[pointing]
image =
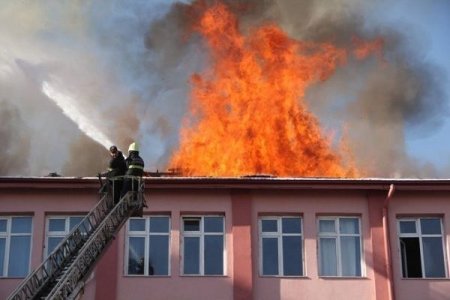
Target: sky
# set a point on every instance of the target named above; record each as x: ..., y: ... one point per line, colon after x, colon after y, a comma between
x: 117, y: 71
x: 427, y: 22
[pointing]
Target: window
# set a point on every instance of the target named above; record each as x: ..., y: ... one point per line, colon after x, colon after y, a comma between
x: 15, y: 246
x: 340, y: 248
x: 422, y: 248
x: 203, y: 245
x: 281, y: 246
x: 147, y: 249
x: 58, y: 227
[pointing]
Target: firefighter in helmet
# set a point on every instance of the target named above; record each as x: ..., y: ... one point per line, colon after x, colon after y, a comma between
x: 135, y: 168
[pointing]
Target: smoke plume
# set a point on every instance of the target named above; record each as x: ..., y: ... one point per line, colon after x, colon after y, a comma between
x: 125, y: 66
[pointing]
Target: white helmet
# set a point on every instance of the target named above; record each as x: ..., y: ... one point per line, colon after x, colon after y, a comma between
x: 133, y: 147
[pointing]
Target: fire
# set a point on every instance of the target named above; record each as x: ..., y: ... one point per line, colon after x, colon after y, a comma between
x: 248, y: 114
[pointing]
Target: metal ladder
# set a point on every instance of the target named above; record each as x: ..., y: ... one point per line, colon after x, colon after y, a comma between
x: 63, y: 273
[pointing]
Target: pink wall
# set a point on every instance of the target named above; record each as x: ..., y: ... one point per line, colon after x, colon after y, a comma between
x: 39, y: 204
x: 241, y: 206
x: 176, y: 286
x: 418, y: 204
x: 311, y: 203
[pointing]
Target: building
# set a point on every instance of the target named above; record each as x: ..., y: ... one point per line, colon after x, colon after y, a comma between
x: 244, y: 238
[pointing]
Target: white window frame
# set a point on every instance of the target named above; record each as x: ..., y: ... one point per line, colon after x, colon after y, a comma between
x: 279, y: 235
x: 337, y: 236
x: 146, y: 235
x: 7, y: 235
x: 201, y: 235
x: 419, y: 235
x: 57, y: 234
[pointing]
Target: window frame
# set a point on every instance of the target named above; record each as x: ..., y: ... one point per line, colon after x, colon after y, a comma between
x: 201, y: 234
x: 146, y: 235
x: 337, y: 236
x: 279, y: 235
x: 7, y: 235
x: 418, y: 234
x: 61, y: 234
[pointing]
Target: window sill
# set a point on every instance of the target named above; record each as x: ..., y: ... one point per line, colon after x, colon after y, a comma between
x: 344, y: 277
x: 428, y: 279
x: 146, y: 276
x: 284, y: 277
x: 198, y: 275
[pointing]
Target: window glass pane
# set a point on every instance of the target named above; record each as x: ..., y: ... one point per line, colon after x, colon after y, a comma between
x: 327, y: 226
x: 19, y: 256
x: 3, y: 225
x: 430, y: 226
x: 2, y: 255
x: 52, y: 243
x: 159, y: 255
x: 21, y: 225
x: 56, y: 225
x: 349, y: 225
x: 328, y: 260
x: 136, y: 253
x: 213, y: 224
x: 213, y: 255
x: 270, y: 256
x: 191, y: 260
x: 74, y: 221
x: 292, y: 255
x: 433, y: 256
x: 159, y: 224
x: 291, y: 225
x: 350, y: 256
x: 407, y: 226
x: 137, y: 224
x: 269, y: 225
x: 191, y: 224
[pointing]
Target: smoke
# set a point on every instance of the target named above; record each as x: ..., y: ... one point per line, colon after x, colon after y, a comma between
x: 85, y: 67
x: 15, y: 141
x: 125, y: 66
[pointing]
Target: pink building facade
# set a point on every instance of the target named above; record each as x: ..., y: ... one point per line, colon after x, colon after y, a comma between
x: 244, y: 238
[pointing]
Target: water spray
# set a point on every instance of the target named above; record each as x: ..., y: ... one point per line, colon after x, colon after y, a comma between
x: 70, y: 109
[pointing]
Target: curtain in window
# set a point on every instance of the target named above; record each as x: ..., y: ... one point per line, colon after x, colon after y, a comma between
x: 328, y: 260
x: 433, y: 257
x: 2, y: 255
x: 350, y: 256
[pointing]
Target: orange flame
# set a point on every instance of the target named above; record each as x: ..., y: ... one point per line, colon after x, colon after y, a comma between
x: 248, y: 114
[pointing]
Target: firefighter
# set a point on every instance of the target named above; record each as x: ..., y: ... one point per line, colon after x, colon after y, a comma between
x: 135, y: 168
x: 116, y: 170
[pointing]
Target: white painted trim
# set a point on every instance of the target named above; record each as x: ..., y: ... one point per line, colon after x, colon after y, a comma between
x: 420, y: 236
x: 337, y: 236
x: 279, y: 236
x: 146, y: 235
x: 7, y: 235
x: 201, y: 235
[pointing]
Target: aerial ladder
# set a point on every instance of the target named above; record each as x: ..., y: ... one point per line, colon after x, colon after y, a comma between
x: 63, y: 273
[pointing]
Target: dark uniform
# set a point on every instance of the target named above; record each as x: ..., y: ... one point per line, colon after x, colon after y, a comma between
x: 117, y: 168
x: 135, y: 167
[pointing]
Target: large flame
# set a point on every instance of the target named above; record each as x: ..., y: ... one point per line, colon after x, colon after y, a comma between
x: 248, y: 114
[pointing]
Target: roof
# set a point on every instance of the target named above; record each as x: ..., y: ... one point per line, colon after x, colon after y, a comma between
x: 245, y: 182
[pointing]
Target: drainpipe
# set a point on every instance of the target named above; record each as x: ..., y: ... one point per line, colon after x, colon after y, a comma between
x: 387, y: 240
